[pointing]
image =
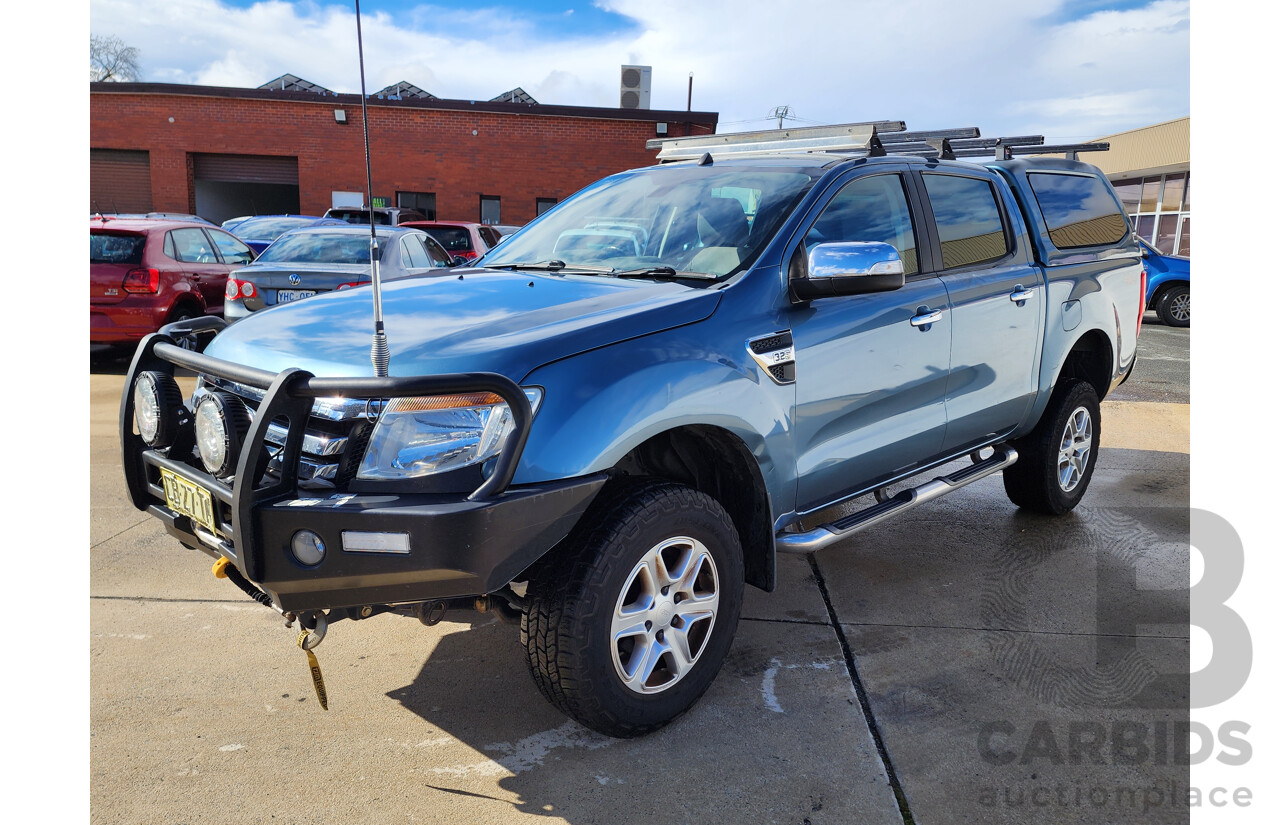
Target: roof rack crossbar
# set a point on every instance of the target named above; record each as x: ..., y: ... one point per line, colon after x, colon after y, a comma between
x: 964, y: 133
x: 845, y: 137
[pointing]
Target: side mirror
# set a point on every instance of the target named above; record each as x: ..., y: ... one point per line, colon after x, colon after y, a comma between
x: 850, y: 268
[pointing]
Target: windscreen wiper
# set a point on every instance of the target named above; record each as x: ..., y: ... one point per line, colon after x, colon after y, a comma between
x: 661, y: 272
x: 553, y: 265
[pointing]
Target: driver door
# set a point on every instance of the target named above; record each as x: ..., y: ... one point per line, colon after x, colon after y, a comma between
x: 871, y: 378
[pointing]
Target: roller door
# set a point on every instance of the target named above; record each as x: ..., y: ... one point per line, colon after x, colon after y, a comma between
x: 120, y: 180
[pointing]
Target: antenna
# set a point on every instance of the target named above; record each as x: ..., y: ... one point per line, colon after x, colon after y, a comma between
x: 379, y: 353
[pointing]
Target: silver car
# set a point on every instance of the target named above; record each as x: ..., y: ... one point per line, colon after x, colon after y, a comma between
x: 306, y: 262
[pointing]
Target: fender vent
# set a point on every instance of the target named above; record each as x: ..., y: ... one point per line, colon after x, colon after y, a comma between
x: 776, y: 355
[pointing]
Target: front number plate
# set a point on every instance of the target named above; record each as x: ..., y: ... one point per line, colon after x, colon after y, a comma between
x: 189, y: 499
x: 284, y: 296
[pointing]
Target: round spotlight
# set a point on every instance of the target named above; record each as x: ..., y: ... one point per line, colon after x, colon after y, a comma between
x: 157, y: 404
x: 221, y: 423
x: 308, y: 548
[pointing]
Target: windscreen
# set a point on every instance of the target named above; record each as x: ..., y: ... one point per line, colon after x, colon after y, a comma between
x: 322, y: 248
x: 268, y: 229
x: 109, y: 248
x: 699, y: 220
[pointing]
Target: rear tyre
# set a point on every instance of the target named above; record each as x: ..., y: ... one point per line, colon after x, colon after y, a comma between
x: 1056, y: 459
x: 628, y: 622
x: 1174, y: 307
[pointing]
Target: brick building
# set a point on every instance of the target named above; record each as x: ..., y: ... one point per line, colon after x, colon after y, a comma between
x: 220, y: 152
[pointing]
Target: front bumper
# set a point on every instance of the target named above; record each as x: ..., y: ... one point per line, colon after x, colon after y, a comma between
x: 457, y: 545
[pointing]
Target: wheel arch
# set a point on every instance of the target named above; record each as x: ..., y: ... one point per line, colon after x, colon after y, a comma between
x: 1164, y: 288
x: 1092, y: 359
x: 717, y: 462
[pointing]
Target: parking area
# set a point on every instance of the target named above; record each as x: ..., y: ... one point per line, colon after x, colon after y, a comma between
x: 965, y: 663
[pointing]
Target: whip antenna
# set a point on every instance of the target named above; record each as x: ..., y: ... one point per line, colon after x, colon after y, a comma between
x: 380, y: 353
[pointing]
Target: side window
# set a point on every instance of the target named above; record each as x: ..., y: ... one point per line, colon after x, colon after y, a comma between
x: 191, y: 246
x: 869, y: 209
x: 970, y: 228
x: 233, y: 251
x: 489, y: 235
x: 411, y: 250
x: 168, y: 246
x: 435, y: 251
x: 1080, y: 210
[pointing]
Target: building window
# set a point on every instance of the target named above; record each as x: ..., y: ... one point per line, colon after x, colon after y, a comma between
x: 544, y: 204
x: 424, y: 202
x: 1160, y: 208
x: 490, y: 209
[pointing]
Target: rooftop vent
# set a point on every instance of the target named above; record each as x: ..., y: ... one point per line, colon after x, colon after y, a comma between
x: 293, y: 83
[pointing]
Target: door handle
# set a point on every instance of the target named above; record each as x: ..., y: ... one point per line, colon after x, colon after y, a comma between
x: 1019, y: 295
x: 924, y: 317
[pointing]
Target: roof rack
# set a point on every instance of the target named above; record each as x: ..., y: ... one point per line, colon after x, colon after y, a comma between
x: 868, y: 139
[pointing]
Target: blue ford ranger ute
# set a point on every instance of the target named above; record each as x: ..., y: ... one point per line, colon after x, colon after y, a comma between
x: 624, y: 413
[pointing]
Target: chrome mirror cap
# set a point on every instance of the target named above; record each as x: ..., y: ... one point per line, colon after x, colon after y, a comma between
x: 849, y: 268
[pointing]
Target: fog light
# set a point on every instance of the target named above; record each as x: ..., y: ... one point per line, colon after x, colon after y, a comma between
x: 221, y: 423
x: 157, y: 403
x: 308, y: 548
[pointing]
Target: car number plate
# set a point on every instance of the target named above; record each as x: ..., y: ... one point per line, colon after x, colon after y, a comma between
x: 189, y: 499
x: 284, y: 296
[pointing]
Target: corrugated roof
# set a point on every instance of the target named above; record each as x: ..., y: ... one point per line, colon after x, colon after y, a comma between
x: 1158, y: 146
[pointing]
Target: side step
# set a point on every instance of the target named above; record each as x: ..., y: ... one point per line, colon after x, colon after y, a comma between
x: 827, y: 534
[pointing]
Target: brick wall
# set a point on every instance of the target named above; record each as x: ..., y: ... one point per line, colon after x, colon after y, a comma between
x: 519, y: 157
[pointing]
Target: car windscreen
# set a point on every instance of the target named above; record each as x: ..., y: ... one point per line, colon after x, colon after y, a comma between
x: 452, y: 238
x: 321, y: 248
x: 701, y: 220
x: 111, y: 248
x: 268, y: 229
x: 360, y: 216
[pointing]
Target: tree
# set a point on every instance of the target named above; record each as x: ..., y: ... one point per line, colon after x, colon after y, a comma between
x: 111, y: 59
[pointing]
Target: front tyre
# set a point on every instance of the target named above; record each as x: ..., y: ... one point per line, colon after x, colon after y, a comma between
x: 628, y: 623
x: 1056, y: 460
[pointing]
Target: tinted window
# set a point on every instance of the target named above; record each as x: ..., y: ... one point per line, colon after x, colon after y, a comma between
x: 116, y: 249
x: 436, y: 252
x: 414, y: 258
x: 452, y: 238
x: 869, y: 209
x: 360, y: 216
x: 968, y: 220
x: 191, y: 246
x: 1079, y: 210
x: 321, y: 248
x: 233, y: 252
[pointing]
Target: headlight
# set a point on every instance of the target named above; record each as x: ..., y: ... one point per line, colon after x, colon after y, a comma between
x: 221, y: 423
x: 157, y: 403
x: 423, y: 436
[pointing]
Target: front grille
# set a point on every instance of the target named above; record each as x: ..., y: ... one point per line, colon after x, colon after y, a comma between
x: 332, y: 446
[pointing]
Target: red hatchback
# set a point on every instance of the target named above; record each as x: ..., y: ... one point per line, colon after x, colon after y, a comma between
x: 146, y: 273
x: 459, y: 238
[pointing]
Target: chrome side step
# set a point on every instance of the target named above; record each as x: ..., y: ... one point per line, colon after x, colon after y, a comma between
x: 888, y: 508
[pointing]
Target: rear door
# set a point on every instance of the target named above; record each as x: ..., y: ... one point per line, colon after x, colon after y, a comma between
x: 870, y: 383
x: 997, y: 302
x: 195, y: 252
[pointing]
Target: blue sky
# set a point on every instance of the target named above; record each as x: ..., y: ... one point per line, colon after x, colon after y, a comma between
x: 1069, y: 70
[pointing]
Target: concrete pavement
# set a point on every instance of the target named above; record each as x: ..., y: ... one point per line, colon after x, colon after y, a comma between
x: 990, y: 665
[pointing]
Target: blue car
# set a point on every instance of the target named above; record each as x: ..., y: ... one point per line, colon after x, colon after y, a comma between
x: 259, y: 232
x: 1168, y: 285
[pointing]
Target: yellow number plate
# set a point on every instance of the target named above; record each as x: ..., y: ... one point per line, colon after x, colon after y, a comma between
x: 189, y: 499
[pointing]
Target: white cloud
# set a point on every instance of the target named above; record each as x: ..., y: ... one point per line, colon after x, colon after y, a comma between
x: 1003, y: 67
